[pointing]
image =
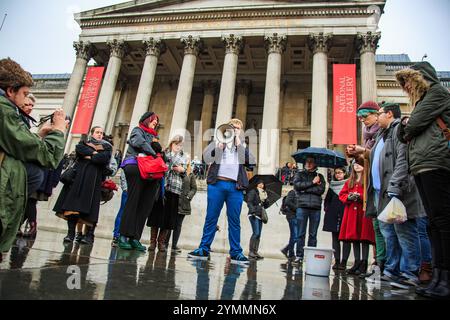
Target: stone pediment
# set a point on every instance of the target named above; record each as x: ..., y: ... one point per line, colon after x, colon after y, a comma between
x: 143, y: 7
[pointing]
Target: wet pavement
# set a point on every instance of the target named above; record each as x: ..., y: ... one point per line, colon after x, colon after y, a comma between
x: 48, y: 269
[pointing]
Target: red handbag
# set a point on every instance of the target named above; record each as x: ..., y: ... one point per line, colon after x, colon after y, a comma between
x: 152, y: 168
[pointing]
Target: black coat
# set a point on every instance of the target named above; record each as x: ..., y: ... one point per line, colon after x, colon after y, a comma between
x: 309, y: 195
x: 291, y: 204
x: 84, y: 194
x: 254, y: 204
x: 334, y: 210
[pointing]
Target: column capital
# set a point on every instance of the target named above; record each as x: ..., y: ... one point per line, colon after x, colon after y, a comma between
x: 84, y: 50
x: 233, y: 43
x: 154, y: 47
x: 210, y: 87
x: 275, y: 43
x: 319, y: 42
x: 119, y: 48
x: 192, y: 45
x: 244, y: 87
x: 367, y: 42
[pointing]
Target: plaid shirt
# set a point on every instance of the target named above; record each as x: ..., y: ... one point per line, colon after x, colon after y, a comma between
x: 174, y: 180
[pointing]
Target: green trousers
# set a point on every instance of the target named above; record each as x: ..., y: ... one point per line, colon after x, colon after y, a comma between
x: 379, y: 241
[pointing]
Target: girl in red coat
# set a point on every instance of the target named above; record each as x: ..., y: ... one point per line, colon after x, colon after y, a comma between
x: 356, y: 228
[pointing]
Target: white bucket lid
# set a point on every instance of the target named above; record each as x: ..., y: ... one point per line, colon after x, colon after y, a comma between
x: 318, y: 249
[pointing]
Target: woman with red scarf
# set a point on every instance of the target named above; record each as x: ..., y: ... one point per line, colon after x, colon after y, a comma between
x: 142, y: 193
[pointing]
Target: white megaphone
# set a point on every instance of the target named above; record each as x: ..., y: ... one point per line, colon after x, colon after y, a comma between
x: 225, y: 133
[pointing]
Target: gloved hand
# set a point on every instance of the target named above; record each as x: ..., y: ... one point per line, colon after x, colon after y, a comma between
x: 353, y: 197
x: 156, y: 146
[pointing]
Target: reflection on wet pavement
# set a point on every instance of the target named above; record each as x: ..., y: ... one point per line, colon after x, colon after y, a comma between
x: 43, y: 269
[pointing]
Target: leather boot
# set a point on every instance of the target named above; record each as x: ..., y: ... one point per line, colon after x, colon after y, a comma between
x: 442, y: 290
x: 251, y: 250
x: 256, y: 248
x: 363, y: 269
x: 153, y: 237
x: 355, y: 268
x: 32, y: 230
x: 426, y: 272
x: 71, y: 224
x: 424, y: 291
x: 89, y: 236
x: 162, y: 240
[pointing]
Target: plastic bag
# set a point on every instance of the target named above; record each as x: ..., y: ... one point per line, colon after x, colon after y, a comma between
x: 395, y: 212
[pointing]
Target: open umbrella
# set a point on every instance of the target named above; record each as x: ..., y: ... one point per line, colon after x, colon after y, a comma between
x: 322, y: 156
x: 273, y: 187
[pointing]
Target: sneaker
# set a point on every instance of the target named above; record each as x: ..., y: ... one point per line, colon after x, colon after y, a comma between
x: 411, y: 282
x: 399, y: 285
x: 199, y: 254
x: 284, y: 251
x: 115, y: 242
x: 297, y: 261
x: 136, y: 245
x: 386, y: 278
x: 240, y: 259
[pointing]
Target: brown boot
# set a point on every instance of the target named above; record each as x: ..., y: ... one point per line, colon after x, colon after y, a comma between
x: 153, y: 237
x: 426, y: 271
x: 162, y: 240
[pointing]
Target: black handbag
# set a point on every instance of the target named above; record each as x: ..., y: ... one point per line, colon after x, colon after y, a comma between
x: 68, y: 176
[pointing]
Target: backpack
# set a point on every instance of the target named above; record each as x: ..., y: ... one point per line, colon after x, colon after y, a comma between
x: 284, y: 209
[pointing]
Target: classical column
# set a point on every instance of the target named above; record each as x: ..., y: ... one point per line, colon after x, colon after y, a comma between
x: 118, y: 50
x: 269, y: 134
x: 192, y: 47
x: 243, y: 90
x: 84, y: 51
x: 319, y: 44
x: 367, y: 45
x: 153, y: 49
x: 209, y: 89
x: 233, y: 45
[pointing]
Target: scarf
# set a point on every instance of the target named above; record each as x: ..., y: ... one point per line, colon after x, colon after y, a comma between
x: 336, y: 186
x: 369, y: 135
x: 148, y: 130
x: 262, y: 194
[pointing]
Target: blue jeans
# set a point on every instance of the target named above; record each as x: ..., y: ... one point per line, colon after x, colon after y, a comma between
x: 257, y: 225
x: 219, y: 193
x: 425, y: 245
x: 402, y: 242
x: 294, y: 228
x: 116, y: 232
x: 304, y: 215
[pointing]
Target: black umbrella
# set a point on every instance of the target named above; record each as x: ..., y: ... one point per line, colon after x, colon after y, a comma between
x: 322, y: 157
x: 273, y: 187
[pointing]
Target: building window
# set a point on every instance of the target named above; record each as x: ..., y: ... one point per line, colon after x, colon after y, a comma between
x: 302, y: 144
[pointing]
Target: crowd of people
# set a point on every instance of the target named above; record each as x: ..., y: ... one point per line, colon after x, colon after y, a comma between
x: 407, y: 159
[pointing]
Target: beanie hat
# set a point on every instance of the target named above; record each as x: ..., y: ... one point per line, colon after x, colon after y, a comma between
x: 367, y: 107
x: 146, y: 115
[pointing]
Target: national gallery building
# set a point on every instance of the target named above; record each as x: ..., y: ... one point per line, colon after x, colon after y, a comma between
x: 199, y: 63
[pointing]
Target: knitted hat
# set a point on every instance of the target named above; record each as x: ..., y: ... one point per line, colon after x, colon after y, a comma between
x: 146, y: 115
x: 367, y: 108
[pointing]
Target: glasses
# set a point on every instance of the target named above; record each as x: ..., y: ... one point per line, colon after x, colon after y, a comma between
x: 380, y: 112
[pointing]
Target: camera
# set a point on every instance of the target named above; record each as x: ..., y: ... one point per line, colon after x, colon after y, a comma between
x: 50, y: 117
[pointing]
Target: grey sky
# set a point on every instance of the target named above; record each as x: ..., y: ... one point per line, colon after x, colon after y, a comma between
x: 39, y: 33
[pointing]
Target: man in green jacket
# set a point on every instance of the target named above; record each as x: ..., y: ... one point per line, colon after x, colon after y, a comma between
x: 18, y: 146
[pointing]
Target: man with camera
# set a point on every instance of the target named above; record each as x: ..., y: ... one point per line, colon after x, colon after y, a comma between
x: 227, y: 180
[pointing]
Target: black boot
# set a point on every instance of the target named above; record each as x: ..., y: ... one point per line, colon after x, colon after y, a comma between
x: 258, y: 256
x: 78, y: 237
x: 89, y: 236
x: 442, y: 290
x: 336, y: 264
x: 363, y: 269
x: 425, y: 291
x: 251, y: 250
x: 71, y: 224
x: 355, y: 268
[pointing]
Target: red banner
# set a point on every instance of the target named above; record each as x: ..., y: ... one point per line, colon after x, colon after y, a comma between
x: 344, y: 104
x: 88, y: 100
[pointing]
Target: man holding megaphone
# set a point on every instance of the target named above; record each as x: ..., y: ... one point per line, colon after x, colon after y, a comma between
x: 227, y: 180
